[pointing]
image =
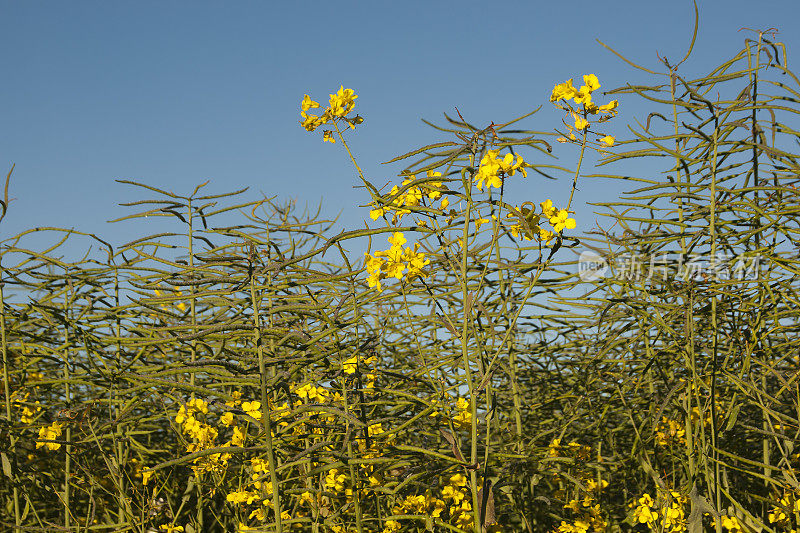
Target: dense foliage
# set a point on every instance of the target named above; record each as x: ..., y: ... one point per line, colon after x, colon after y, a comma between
x: 452, y: 367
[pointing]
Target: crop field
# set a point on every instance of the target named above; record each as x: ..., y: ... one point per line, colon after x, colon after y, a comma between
x: 470, y: 362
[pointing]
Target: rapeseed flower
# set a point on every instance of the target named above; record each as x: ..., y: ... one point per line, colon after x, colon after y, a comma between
x: 394, y: 261
x: 334, y: 481
x: 51, y: 432
x: 492, y: 169
x: 253, y: 409
x: 340, y: 104
x: 563, y: 91
x: 561, y: 220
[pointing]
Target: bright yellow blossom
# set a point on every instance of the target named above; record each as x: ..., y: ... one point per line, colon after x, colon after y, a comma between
x: 253, y: 409
x: 308, y: 103
x: 50, y: 432
x: 563, y: 91
x: 580, y: 122
x: 609, y: 107
x: 561, y: 220
x: 547, y: 208
x: 342, y: 102
x: 608, y: 140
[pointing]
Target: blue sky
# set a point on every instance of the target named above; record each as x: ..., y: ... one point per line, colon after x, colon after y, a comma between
x: 176, y: 93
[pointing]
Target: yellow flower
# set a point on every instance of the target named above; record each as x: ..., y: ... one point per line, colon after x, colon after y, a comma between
x: 563, y: 91
x: 308, y: 103
x: 374, y: 281
x: 584, y: 96
x: 669, y: 432
x: 580, y: 122
x: 238, y: 437
x: 415, y: 261
x: 307, y: 498
x: 458, y: 480
x: 591, y: 83
x: 390, y: 526
x: 29, y: 413
x: 546, y: 236
x: 644, y: 513
x: 451, y: 492
x: 609, y: 140
x: 146, y: 475
x: 488, y: 171
x: 51, y: 432
x: 236, y: 395
x: 480, y: 221
x: 342, y: 103
x: 397, y: 239
x: 592, y: 485
x: 561, y: 220
x: 198, y: 404
x: 253, y: 409
x: 312, y: 122
x: 327, y: 136
x: 227, y: 419
x: 170, y: 528
x: 334, y: 480
x: 609, y: 107
x: 731, y: 523
x: 547, y: 208
x: 242, y: 497
x: 492, y: 168
x: 350, y: 364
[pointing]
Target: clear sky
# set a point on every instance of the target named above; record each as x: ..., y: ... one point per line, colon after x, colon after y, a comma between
x: 176, y: 93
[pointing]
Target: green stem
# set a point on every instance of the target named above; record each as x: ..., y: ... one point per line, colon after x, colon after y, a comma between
x: 6, y: 384
x: 578, y: 168
x: 265, y: 409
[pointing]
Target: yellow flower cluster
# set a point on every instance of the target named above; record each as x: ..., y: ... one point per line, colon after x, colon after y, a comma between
x: 393, y: 262
x: 350, y: 365
x: 255, y: 490
x: 464, y: 416
x: 21, y: 400
x: 453, y: 505
x: 667, y: 514
x: 590, y: 517
x: 564, y: 92
x: 204, y: 436
x: 49, y: 433
x: 788, y: 506
x: 696, y: 416
x: 427, y: 504
x: 670, y: 433
x: 731, y: 523
x: 492, y: 169
x: 580, y: 452
x: 340, y: 105
x: 335, y: 481
x: 180, y: 305
x: 411, y: 197
x: 559, y: 219
x: 312, y: 393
